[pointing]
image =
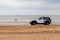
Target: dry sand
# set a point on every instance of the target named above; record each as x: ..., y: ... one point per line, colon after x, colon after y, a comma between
x: 28, y: 32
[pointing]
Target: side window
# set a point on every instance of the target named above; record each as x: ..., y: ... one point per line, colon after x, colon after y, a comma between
x: 44, y: 17
x: 40, y: 18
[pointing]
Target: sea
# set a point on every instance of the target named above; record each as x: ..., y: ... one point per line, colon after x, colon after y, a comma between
x: 27, y: 18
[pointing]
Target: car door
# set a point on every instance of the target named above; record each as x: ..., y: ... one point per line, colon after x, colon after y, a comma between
x: 40, y: 20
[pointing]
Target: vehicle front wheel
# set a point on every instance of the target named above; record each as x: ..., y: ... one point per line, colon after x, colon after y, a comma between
x: 47, y: 23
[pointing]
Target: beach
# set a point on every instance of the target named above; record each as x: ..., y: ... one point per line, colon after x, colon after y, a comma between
x: 29, y: 19
x: 20, y: 29
x: 29, y: 32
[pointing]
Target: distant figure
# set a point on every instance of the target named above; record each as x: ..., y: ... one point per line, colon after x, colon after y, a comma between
x: 15, y: 20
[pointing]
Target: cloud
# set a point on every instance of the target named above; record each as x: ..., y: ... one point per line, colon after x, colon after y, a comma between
x: 15, y: 3
x: 34, y: 7
x: 20, y: 4
x: 52, y: 0
x: 29, y: 4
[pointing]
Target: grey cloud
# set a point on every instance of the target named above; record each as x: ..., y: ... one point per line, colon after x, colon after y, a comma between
x: 46, y: 7
x: 28, y: 0
x: 52, y: 0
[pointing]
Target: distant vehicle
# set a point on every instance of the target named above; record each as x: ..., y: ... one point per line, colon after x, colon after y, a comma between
x: 41, y: 20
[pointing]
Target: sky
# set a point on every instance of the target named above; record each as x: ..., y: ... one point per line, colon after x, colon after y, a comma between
x: 29, y: 7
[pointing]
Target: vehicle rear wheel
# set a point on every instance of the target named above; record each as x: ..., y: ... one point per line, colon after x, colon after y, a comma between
x: 33, y: 23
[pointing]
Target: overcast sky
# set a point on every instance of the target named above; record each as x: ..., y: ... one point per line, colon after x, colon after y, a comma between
x: 30, y: 7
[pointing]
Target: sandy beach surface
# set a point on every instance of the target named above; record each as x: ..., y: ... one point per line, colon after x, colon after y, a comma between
x: 29, y: 32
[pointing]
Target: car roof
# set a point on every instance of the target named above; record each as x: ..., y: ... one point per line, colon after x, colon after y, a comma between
x: 44, y: 17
